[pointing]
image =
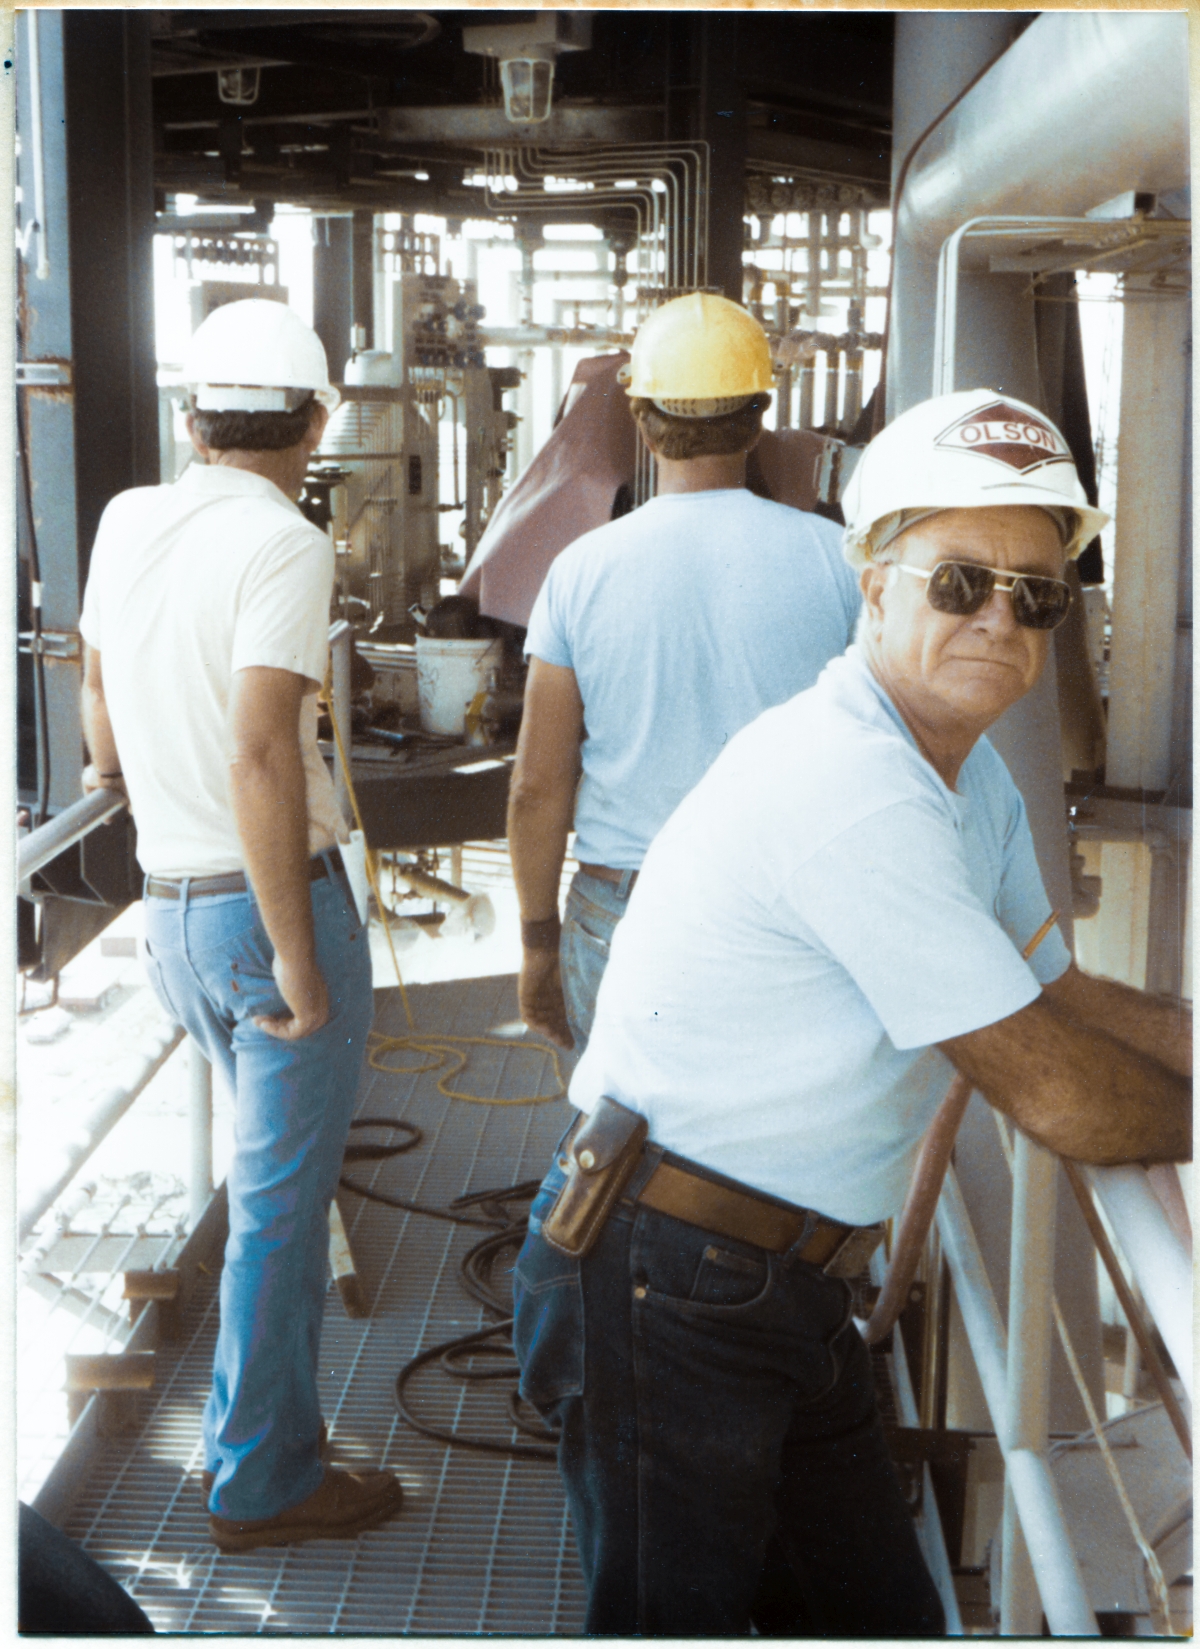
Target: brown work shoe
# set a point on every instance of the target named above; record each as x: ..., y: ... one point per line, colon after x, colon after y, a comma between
x: 345, y: 1504
x: 207, y: 1478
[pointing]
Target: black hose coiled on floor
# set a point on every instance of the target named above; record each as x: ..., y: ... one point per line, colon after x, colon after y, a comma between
x: 493, y: 1211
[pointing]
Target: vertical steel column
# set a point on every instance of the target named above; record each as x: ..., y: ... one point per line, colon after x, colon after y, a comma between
x: 721, y: 123
x: 937, y: 53
x: 200, y: 1125
x: 84, y: 302
x: 362, y: 277
x: 333, y: 302
x: 1155, y: 365
x: 1030, y: 1293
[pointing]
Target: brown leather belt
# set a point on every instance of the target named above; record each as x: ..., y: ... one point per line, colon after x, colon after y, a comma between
x: 606, y: 873
x: 748, y: 1218
x: 199, y: 887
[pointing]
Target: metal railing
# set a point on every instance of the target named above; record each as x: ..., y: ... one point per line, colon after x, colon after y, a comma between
x: 65, y: 829
x: 1040, y: 1569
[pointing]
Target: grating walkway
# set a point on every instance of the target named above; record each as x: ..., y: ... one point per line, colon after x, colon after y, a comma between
x: 484, y: 1543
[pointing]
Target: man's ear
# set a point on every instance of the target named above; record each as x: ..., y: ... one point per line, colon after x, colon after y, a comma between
x: 316, y: 426
x: 873, y: 580
x: 194, y: 437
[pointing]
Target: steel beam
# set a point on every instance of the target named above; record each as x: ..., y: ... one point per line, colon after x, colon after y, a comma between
x: 470, y: 125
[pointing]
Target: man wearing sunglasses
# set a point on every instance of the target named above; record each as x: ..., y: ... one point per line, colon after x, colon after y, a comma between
x: 828, y: 925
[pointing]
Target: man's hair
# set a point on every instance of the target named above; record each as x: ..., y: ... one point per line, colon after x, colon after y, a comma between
x: 254, y: 431
x: 719, y: 437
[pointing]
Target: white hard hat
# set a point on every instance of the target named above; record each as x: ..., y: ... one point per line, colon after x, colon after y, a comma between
x: 970, y: 450
x: 247, y: 356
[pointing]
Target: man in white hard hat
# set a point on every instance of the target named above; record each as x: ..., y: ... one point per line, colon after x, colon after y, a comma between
x: 206, y: 620
x: 653, y: 640
x: 829, y: 925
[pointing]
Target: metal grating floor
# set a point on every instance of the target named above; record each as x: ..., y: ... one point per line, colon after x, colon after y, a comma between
x: 483, y: 1543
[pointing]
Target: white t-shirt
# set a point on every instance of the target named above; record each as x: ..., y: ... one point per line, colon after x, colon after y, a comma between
x: 815, y: 915
x: 189, y: 583
x: 682, y: 622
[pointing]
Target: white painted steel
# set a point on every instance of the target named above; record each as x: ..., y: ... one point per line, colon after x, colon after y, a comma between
x: 200, y: 1124
x: 1155, y: 366
x: 65, y: 829
x: 56, y: 1169
x: 339, y: 652
x: 1160, y: 1262
x: 1117, y: 120
x: 1064, y: 1597
x: 42, y: 267
x: 1027, y: 1424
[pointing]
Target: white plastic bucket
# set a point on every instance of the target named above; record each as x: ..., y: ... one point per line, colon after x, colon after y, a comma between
x: 449, y: 675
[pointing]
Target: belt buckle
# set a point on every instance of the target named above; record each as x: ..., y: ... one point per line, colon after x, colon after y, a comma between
x: 853, y: 1252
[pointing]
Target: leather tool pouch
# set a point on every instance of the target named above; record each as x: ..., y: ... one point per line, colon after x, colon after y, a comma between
x: 602, y: 1155
x: 853, y: 1256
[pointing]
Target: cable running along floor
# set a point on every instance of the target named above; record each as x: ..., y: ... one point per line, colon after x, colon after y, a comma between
x: 483, y: 1543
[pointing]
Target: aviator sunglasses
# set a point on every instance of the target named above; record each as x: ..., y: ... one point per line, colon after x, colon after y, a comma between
x: 965, y: 587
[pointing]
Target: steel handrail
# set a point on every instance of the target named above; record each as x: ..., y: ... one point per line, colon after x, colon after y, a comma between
x: 65, y: 829
x: 1158, y: 1259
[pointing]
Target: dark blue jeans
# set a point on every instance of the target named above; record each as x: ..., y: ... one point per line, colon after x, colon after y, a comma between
x: 721, y: 1448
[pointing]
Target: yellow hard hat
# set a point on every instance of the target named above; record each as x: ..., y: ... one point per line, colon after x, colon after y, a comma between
x: 699, y: 356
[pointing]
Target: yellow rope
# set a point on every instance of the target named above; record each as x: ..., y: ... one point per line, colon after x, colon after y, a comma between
x: 437, y: 1047
x: 1149, y: 1555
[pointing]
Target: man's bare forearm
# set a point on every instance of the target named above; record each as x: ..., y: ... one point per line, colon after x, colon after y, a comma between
x: 98, y: 733
x: 1149, y: 1024
x: 270, y: 808
x: 538, y: 826
x: 1080, y: 1092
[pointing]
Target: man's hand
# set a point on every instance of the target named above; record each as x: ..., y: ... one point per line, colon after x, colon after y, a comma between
x: 1083, y: 1090
x: 540, y: 995
x: 94, y: 780
x: 303, y: 989
x: 268, y: 795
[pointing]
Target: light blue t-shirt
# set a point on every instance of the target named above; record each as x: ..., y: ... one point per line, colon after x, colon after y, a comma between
x: 682, y: 622
x: 817, y: 914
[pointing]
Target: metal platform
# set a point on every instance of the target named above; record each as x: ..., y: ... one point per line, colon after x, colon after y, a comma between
x: 484, y: 1543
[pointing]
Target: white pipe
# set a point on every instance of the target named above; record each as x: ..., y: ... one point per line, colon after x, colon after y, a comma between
x: 65, y: 829
x: 36, y: 144
x: 339, y: 710
x: 200, y: 1119
x: 1030, y: 1295
x: 1117, y: 119
x: 1064, y: 1596
x: 1160, y: 1263
x: 528, y: 337
x: 57, y: 1168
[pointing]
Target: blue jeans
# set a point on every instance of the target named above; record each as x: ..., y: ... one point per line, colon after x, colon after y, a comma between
x: 209, y: 960
x: 721, y: 1448
x: 593, y: 910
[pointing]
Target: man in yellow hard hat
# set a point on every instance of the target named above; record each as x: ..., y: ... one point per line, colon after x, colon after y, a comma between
x: 653, y: 640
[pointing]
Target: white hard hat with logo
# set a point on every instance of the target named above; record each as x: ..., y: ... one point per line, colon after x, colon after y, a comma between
x: 256, y: 355
x: 972, y: 449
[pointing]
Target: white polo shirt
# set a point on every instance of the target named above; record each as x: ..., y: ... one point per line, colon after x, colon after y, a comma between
x: 815, y: 915
x: 189, y: 583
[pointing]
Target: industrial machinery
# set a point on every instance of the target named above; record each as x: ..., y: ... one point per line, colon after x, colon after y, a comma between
x: 481, y: 215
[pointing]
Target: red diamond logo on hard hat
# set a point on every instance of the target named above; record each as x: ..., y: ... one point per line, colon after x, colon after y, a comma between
x: 1011, y: 435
